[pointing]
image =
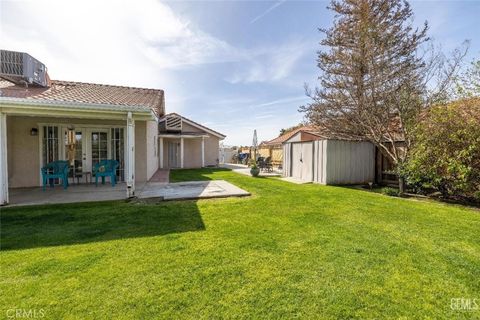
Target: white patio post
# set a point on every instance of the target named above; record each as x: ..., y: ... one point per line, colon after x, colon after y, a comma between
x: 181, y: 152
x: 160, y: 149
x: 3, y: 160
x: 203, y: 152
x: 130, y: 165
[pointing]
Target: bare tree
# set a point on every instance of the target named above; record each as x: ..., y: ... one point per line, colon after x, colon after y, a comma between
x: 375, y: 80
x: 467, y: 84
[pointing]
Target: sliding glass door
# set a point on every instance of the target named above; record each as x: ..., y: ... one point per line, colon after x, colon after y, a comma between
x: 77, y: 152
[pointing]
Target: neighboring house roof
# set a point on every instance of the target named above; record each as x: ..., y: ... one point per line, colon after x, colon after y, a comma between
x: 195, y: 124
x: 284, y: 137
x: 76, y: 93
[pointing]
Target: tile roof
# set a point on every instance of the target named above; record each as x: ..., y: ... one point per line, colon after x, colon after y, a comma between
x: 88, y: 93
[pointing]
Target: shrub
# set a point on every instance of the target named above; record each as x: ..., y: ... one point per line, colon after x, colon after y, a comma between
x: 389, y: 191
x: 445, y: 156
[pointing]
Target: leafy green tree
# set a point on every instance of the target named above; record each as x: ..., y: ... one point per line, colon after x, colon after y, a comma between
x: 374, y: 82
x: 446, y: 154
x: 290, y: 129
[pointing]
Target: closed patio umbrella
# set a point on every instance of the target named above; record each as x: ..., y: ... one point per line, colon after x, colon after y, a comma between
x: 255, y: 144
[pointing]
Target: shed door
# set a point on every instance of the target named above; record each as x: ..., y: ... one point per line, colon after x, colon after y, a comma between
x: 302, y: 157
x: 296, y: 160
x: 307, y: 161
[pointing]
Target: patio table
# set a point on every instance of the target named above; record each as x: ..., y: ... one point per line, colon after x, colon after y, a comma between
x: 87, y: 174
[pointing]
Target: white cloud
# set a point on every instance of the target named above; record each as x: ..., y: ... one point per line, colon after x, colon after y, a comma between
x: 145, y: 44
x: 270, y: 64
x: 119, y: 42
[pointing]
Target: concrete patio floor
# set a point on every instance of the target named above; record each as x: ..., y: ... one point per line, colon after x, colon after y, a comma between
x: 150, y: 190
x: 245, y: 170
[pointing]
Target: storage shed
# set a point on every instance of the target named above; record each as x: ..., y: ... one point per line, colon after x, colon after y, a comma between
x: 329, y: 161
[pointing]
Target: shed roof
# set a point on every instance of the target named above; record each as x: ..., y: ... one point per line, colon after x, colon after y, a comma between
x: 284, y: 137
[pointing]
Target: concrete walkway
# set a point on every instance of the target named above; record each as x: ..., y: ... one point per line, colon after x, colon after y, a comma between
x: 155, y: 191
x: 245, y: 170
x: 162, y: 175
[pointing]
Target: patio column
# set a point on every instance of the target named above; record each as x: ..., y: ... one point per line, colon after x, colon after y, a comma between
x: 3, y: 160
x: 181, y: 152
x: 160, y: 149
x: 203, y: 152
x: 130, y: 165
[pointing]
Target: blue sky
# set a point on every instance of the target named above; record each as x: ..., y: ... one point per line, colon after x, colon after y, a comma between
x: 235, y: 66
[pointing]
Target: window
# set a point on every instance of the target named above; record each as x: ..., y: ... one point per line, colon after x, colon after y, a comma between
x: 50, y: 144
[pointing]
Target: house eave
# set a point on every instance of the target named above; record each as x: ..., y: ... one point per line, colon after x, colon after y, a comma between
x: 31, y: 107
x: 182, y: 135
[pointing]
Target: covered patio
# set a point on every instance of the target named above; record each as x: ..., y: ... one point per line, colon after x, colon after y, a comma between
x: 32, y: 135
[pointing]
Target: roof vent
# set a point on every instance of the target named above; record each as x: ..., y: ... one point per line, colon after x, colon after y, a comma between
x: 173, y: 123
x: 22, y: 68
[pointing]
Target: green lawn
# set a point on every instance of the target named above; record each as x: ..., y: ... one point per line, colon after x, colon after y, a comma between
x: 305, y: 251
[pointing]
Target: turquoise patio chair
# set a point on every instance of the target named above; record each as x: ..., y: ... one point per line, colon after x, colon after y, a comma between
x: 56, y: 170
x: 106, y: 168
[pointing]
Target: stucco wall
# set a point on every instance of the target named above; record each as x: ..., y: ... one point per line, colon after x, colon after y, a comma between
x: 24, y: 149
x: 211, y: 150
x: 193, y: 153
x: 151, y: 145
x: 23, y: 152
x: 140, y: 151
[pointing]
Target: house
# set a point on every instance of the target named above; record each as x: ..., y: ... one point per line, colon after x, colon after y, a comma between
x: 38, y: 115
x: 311, y: 156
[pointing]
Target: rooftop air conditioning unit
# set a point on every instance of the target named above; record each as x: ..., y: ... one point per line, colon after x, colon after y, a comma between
x: 22, y: 68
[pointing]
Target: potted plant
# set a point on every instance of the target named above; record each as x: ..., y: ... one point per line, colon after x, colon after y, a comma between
x: 254, y: 170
